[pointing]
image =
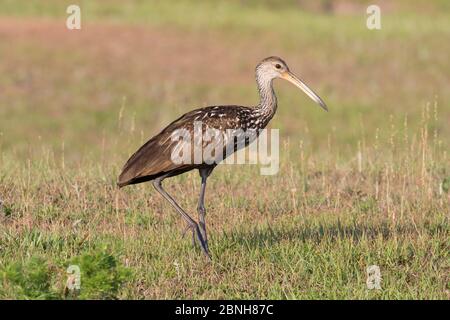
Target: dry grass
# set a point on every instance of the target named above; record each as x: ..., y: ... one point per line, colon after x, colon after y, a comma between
x: 308, y: 232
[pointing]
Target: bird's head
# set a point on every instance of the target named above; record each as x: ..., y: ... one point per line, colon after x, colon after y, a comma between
x: 274, y: 67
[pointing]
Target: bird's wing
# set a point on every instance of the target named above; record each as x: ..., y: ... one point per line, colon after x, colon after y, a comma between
x: 155, y: 157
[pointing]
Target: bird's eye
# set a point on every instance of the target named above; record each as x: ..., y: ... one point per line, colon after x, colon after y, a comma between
x: 278, y: 66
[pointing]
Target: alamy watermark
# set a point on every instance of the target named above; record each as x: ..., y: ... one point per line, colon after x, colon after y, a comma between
x: 207, y: 145
x: 74, y: 277
x: 373, y: 277
x: 73, y: 21
x: 373, y: 21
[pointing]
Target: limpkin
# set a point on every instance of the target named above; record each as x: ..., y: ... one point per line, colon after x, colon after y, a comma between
x: 154, y: 162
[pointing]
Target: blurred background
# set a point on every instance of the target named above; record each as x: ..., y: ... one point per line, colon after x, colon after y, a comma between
x: 135, y: 65
x: 366, y: 183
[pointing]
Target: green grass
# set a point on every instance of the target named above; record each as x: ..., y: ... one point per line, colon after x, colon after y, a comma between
x: 365, y: 184
x: 38, y: 278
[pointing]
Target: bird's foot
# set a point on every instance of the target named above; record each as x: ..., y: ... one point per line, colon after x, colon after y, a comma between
x: 203, y: 233
x: 192, y: 228
x: 198, y: 237
x: 203, y: 243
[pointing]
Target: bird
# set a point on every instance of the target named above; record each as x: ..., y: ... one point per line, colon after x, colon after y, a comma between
x: 154, y: 161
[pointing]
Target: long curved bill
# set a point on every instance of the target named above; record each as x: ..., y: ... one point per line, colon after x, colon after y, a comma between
x: 289, y: 76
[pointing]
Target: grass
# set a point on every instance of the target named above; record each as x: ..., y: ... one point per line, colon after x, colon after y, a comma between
x: 38, y: 278
x: 365, y: 184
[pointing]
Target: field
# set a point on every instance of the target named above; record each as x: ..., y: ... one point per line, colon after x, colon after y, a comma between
x: 367, y: 183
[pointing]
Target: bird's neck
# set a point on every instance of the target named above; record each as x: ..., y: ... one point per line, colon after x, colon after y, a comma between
x: 268, y: 100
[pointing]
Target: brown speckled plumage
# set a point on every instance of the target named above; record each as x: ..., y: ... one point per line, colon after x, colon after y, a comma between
x: 153, y: 158
x: 152, y: 162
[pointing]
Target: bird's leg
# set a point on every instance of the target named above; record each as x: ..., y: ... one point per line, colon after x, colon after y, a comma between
x: 191, y: 223
x: 204, y: 173
x: 194, y: 242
